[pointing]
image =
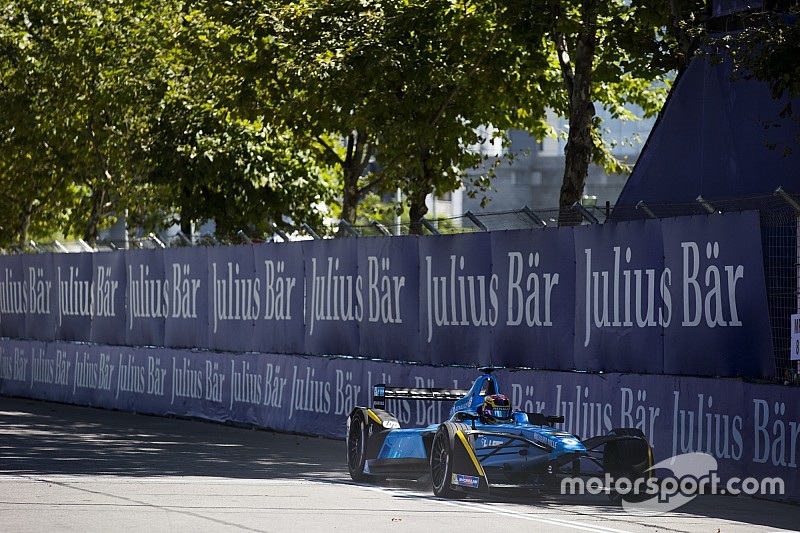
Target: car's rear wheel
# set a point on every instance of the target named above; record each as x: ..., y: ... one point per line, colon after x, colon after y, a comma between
x: 357, y: 446
x: 442, y: 462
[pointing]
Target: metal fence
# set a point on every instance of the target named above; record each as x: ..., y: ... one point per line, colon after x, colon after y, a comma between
x: 779, y: 215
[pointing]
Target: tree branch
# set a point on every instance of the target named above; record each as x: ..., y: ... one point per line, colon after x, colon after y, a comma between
x: 460, y: 84
x: 562, y: 52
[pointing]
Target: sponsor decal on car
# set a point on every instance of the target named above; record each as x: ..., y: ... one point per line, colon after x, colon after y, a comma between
x: 465, y: 481
x: 544, y: 439
x: 489, y: 442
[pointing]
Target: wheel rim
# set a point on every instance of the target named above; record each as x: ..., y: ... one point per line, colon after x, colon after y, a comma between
x: 355, y: 445
x: 439, y: 462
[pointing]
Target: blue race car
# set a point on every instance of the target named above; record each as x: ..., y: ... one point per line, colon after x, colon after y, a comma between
x: 485, y: 445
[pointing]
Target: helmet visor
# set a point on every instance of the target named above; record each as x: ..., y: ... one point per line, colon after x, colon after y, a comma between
x: 499, y: 412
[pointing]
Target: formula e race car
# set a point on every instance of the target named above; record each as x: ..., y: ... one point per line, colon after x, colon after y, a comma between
x: 485, y: 445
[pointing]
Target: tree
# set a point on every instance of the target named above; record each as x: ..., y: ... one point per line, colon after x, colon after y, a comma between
x: 225, y: 158
x: 34, y: 158
x: 442, y: 69
x: 75, y: 90
x: 130, y: 106
x: 616, y: 54
x: 408, y: 83
x: 329, y: 58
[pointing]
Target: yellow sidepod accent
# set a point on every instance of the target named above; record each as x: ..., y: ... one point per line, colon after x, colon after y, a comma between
x: 374, y: 417
x: 471, y: 453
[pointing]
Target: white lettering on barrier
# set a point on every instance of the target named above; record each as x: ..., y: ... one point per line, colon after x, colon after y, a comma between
x: 236, y: 296
x: 309, y: 394
x: 148, y: 297
x: 75, y: 295
x: 533, y: 303
x: 635, y: 414
x: 274, y: 386
x: 522, y: 398
x: 184, y: 291
x: 384, y: 292
x: 13, y: 294
x: 428, y: 411
x: 63, y: 364
x: 39, y: 295
x: 625, y: 297
x: 776, y: 443
x: 187, y: 382
x: 105, y: 292
x: 131, y: 377
x: 42, y: 370
x: 704, y: 430
x: 581, y: 416
x: 346, y: 393
x: 245, y: 384
x: 714, y: 299
x: 87, y: 372
x: 156, y: 376
x: 277, y: 291
x: 603, y: 290
x: 334, y: 296
x: 457, y: 299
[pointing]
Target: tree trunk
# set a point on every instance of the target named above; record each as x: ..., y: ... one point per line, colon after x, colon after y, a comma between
x: 96, y: 215
x: 578, y: 151
x: 97, y: 211
x: 417, y: 210
x: 355, y: 161
x: 350, y: 197
x: 418, y: 191
x: 186, y: 228
x: 25, y: 223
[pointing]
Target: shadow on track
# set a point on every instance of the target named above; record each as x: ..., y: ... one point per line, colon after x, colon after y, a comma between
x: 42, y: 438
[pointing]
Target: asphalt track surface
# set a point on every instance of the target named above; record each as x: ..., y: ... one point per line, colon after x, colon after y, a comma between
x: 74, y: 469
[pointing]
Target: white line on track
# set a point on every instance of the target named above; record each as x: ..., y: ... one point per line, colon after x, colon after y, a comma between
x: 170, y: 480
x: 485, y: 508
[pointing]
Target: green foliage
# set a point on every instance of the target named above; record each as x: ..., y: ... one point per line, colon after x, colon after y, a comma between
x: 129, y: 106
x: 248, y: 112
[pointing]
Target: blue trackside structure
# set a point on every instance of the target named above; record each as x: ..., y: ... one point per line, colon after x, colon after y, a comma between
x: 473, y: 452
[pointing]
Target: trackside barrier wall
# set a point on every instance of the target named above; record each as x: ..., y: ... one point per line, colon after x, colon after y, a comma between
x: 752, y: 430
x: 682, y: 296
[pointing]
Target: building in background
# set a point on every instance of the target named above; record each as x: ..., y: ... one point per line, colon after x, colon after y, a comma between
x: 535, y: 175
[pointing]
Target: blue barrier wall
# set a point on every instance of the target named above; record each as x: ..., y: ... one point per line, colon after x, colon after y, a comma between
x: 678, y: 296
x: 752, y: 430
x: 213, y: 332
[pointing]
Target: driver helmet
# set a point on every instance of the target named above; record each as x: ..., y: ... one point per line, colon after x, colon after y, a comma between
x: 496, y: 408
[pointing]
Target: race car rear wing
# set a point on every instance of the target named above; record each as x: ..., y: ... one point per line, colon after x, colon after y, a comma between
x: 381, y: 393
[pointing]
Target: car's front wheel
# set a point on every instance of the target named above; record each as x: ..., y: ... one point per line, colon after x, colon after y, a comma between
x: 357, y: 446
x: 630, y: 459
x: 442, y: 462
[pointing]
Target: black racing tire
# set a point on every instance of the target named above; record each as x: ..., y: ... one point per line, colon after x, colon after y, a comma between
x: 442, y: 461
x: 631, y: 459
x: 357, y: 446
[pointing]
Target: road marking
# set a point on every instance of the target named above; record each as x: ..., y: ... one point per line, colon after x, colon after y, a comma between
x: 156, y: 480
x: 485, y: 508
